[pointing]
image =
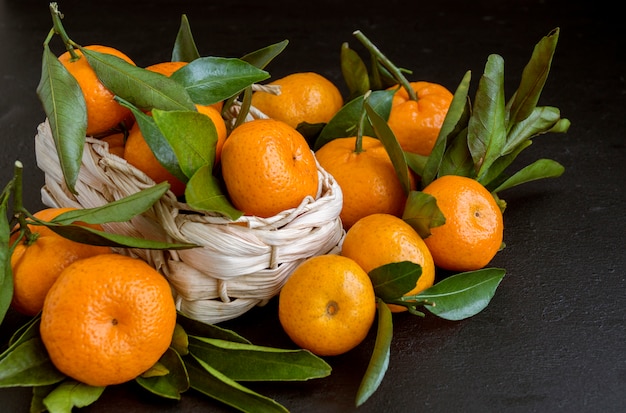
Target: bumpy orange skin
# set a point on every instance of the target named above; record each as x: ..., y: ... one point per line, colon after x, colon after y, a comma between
x: 327, y: 305
x: 380, y: 239
x: 305, y: 97
x: 416, y: 123
x: 37, y: 266
x: 367, y: 179
x: 268, y: 167
x: 107, y: 319
x: 103, y: 112
x: 473, y: 232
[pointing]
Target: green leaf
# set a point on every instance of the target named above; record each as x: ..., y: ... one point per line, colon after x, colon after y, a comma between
x: 248, y: 362
x: 199, y: 328
x: 416, y: 162
x: 534, y: 77
x: 391, y: 144
x: 391, y: 281
x: 379, y: 361
x: 212, y: 383
x: 121, y: 210
x: 92, y: 236
x: 204, y: 193
x: 172, y: 384
x: 212, y: 79
x: 192, y: 136
x: 455, y: 121
x: 143, y: 88
x: 354, y: 71
x: 29, y: 330
x: 70, y: 394
x: 262, y: 57
x: 27, y: 364
x: 487, y: 128
x: 344, y: 123
x: 541, y: 120
x: 540, y: 169
x: 462, y: 295
x: 65, y: 108
x: 185, y: 49
x: 158, y: 144
x: 496, y: 173
x: 6, y: 273
x: 422, y: 213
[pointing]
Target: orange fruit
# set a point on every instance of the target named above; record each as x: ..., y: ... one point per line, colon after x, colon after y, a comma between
x: 367, y: 178
x: 327, y: 305
x: 473, y: 231
x: 116, y: 143
x: 304, y: 97
x: 168, y: 68
x: 107, y: 319
x: 268, y: 167
x: 380, y: 239
x: 103, y: 112
x: 138, y: 153
x: 416, y: 123
x: 37, y: 266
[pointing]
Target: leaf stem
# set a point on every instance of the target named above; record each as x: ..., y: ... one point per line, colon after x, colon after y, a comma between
x: 60, y: 30
x: 393, y: 69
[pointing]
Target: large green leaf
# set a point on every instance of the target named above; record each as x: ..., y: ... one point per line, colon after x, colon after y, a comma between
x: 204, y: 192
x: 354, y: 71
x: 173, y: 383
x: 262, y: 57
x: 28, y: 364
x: 391, y: 281
x: 487, y: 126
x: 540, y: 169
x: 212, y: 79
x: 65, y: 108
x: 462, y: 295
x: 248, y: 362
x: 143, y: 88
x: 422, y: 213
x: 210, y: 382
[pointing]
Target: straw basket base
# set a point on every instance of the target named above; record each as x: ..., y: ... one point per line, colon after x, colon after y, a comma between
x: 237, y: 265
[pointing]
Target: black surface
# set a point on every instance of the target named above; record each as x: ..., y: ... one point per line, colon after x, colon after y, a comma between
x: 552, y: 339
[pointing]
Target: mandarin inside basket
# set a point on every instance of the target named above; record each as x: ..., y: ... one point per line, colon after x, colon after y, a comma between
x: 238, y: 264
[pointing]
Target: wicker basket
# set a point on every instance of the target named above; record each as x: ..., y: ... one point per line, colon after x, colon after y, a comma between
x: 237, y: 266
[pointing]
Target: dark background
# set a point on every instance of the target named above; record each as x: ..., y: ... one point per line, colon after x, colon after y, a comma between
x: 552, y: 339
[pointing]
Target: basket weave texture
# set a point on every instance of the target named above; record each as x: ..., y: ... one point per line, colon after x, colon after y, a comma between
x: 238, y: 264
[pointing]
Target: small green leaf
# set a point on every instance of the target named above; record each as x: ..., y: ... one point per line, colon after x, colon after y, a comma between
x: 172, y: 384
x: 391, y: 281
x: 212, y: 79
x: 534, y: 77
x: 210, y: 382
x: 70, y: 394
x: 354, y: 71
x: 344, y: 123
x: 180, y: 340
x: 158, y: 144
x: 458, y: 160
x: 192, y: 136
x: 248, y: 362
x: 204, y: 193
x: 185, y: 49
x: 541, y: 120
x: 462, y: 295
x: 422, y: 213
x: 65, y: 108
x: 379, y: 361
x: 121, y: 210
x: 391, y: 144
x: 540, y: 169
x: 143, y: 88
x: 27, y: 364
x: 262, y: 57
x: 455, y: 121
